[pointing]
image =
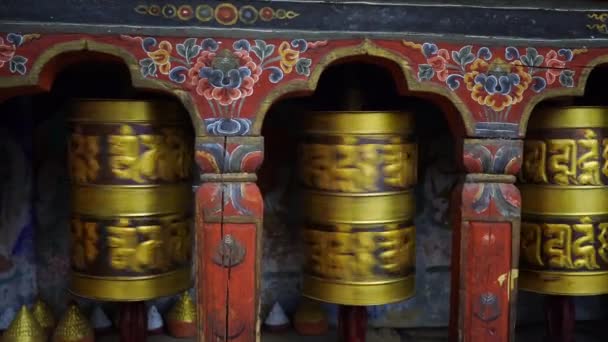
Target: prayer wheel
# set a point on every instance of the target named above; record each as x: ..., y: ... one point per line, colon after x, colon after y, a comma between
x: 357, y: 171
x: 130, y: 171
x: 564, y: 230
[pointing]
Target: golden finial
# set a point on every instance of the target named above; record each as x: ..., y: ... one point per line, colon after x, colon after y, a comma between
x: 183, y: 310
x: 24, y: 328
x: 73, y: 327
x: 181, y: 319
x: 43, y: 315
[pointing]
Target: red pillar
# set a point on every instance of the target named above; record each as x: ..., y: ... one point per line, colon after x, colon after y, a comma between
x: 485, y: 253
x: 228, y: 235
x: 132, y: 322
x: 352, y: 323
x: 560, y: 318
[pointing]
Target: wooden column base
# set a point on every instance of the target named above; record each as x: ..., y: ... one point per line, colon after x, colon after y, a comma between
x: 352, y: 323
x: 560, y: 319
x: 132, y: 323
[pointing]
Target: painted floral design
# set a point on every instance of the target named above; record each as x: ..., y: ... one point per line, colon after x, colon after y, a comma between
x: 498, y: 84
x: 224, y: 76
x: 494, y: 81
x: 8, y: 52
x: 233, y: 194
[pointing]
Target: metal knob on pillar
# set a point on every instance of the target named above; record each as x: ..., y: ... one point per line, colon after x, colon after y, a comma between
x: 564, y: 230
x: 357, y: 171
x: 130, y: 168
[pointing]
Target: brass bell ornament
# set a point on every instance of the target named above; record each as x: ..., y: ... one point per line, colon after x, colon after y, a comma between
x: 357, y: 170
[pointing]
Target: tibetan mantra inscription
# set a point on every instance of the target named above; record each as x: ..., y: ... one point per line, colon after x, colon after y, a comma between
x: 352, y: 167
x: 130, y: 246
x: 130, y: 164
x: 566, y: 246
x: 373, y: 252
x: 357, y: 171
x: 134, y: 153
x: 568, y: 161
x: 564, y: 230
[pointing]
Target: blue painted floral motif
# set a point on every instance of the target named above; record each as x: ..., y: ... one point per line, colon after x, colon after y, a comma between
x: 496, y: 83
x: 8, y: 49
x: 223, y: 161
x: 225, y: 76
x: 228, y: 126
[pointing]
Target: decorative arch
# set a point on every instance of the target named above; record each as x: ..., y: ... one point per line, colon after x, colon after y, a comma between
x: 578, y: 90
x: 43, y: 71
x: 366, y: 49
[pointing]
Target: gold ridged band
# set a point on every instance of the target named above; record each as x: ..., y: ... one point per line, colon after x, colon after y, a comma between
x: 113, y: 201
x: 570, y: 117
x: 371, y: 293
x: 130, y: 289
x: 323, y: 207
x: 564, y: 283
x: 564, y: 200
x: 353, y: 123
x: 119, y: 111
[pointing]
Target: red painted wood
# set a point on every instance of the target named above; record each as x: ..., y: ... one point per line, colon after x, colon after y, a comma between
x: 481, y: 305
x: 228, y: 296
x: 460, y: 229
x: 352, y: 323
x: 488, y: 257
x: 473, y: 102
x: 212, y: 285
x: 211, y: 278
x: 492, y: 156
x: 242, y: 287
x: 245, y: 200
x: 132, y: 322
x: 475, y: 196
x: 243, y: 282
x: 560, y: 319
x: 209, y: 202
x: 485, y: 217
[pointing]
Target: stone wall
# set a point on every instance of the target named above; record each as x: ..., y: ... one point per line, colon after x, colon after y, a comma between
x: 17, y: 260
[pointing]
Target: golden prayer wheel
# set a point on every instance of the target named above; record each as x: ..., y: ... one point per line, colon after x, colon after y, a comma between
x: 564, y: 230
x: 357, y: 171
x: 130, y: 168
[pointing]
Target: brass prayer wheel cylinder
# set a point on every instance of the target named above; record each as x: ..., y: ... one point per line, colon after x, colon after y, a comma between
x: 357, y: 171
x: 564, y: 230
x: 130, y: 171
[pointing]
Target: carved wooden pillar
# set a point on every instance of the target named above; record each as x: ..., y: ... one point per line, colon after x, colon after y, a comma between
x: 485, y: 251
x: 228, y: 231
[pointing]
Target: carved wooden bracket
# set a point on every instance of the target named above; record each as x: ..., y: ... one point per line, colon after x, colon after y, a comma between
x: 229, y: 253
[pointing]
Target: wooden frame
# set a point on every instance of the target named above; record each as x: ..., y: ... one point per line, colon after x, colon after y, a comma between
x: 169, y: 51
